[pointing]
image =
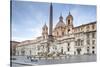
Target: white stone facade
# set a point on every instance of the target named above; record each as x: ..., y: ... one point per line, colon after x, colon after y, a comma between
x: 74, y: 44
x: 67, y: 40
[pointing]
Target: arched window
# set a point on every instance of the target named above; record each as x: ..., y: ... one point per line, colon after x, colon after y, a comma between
x: 68, y: 21
x: 68, y: 30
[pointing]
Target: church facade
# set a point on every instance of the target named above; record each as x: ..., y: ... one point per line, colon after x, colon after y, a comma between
x: 66, y: 39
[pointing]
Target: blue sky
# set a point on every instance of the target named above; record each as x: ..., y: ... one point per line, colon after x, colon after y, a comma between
x: 29, y: 17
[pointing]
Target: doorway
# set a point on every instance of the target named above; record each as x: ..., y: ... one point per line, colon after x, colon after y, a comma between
x: 93, y: 52
x: 79, y: 51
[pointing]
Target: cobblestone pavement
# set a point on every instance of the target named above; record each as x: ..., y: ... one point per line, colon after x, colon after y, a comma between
x: 72, y: 59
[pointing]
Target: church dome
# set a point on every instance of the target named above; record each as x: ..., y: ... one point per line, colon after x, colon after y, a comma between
x: 60, y: 23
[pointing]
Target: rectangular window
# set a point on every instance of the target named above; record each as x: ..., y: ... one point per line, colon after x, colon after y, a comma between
x: 38, y: 47
x: 68, y: 49
x: 87, y: 50
x: 93, y: 47
x: 93, y: 42
x: 87, y: 28
x: 87, y: 35
x: 93, y: 26
x: 93, y: 35
x: 68, y: 44
x: 81, y: 42
x: 88, y: 42
x: 76, y: 43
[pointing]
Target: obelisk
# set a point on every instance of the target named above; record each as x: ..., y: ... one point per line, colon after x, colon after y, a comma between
x: 51, y: 22
x: 50, y: 37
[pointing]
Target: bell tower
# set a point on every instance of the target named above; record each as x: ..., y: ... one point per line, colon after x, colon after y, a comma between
x: 45, y: 31
x: 69, y: 23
